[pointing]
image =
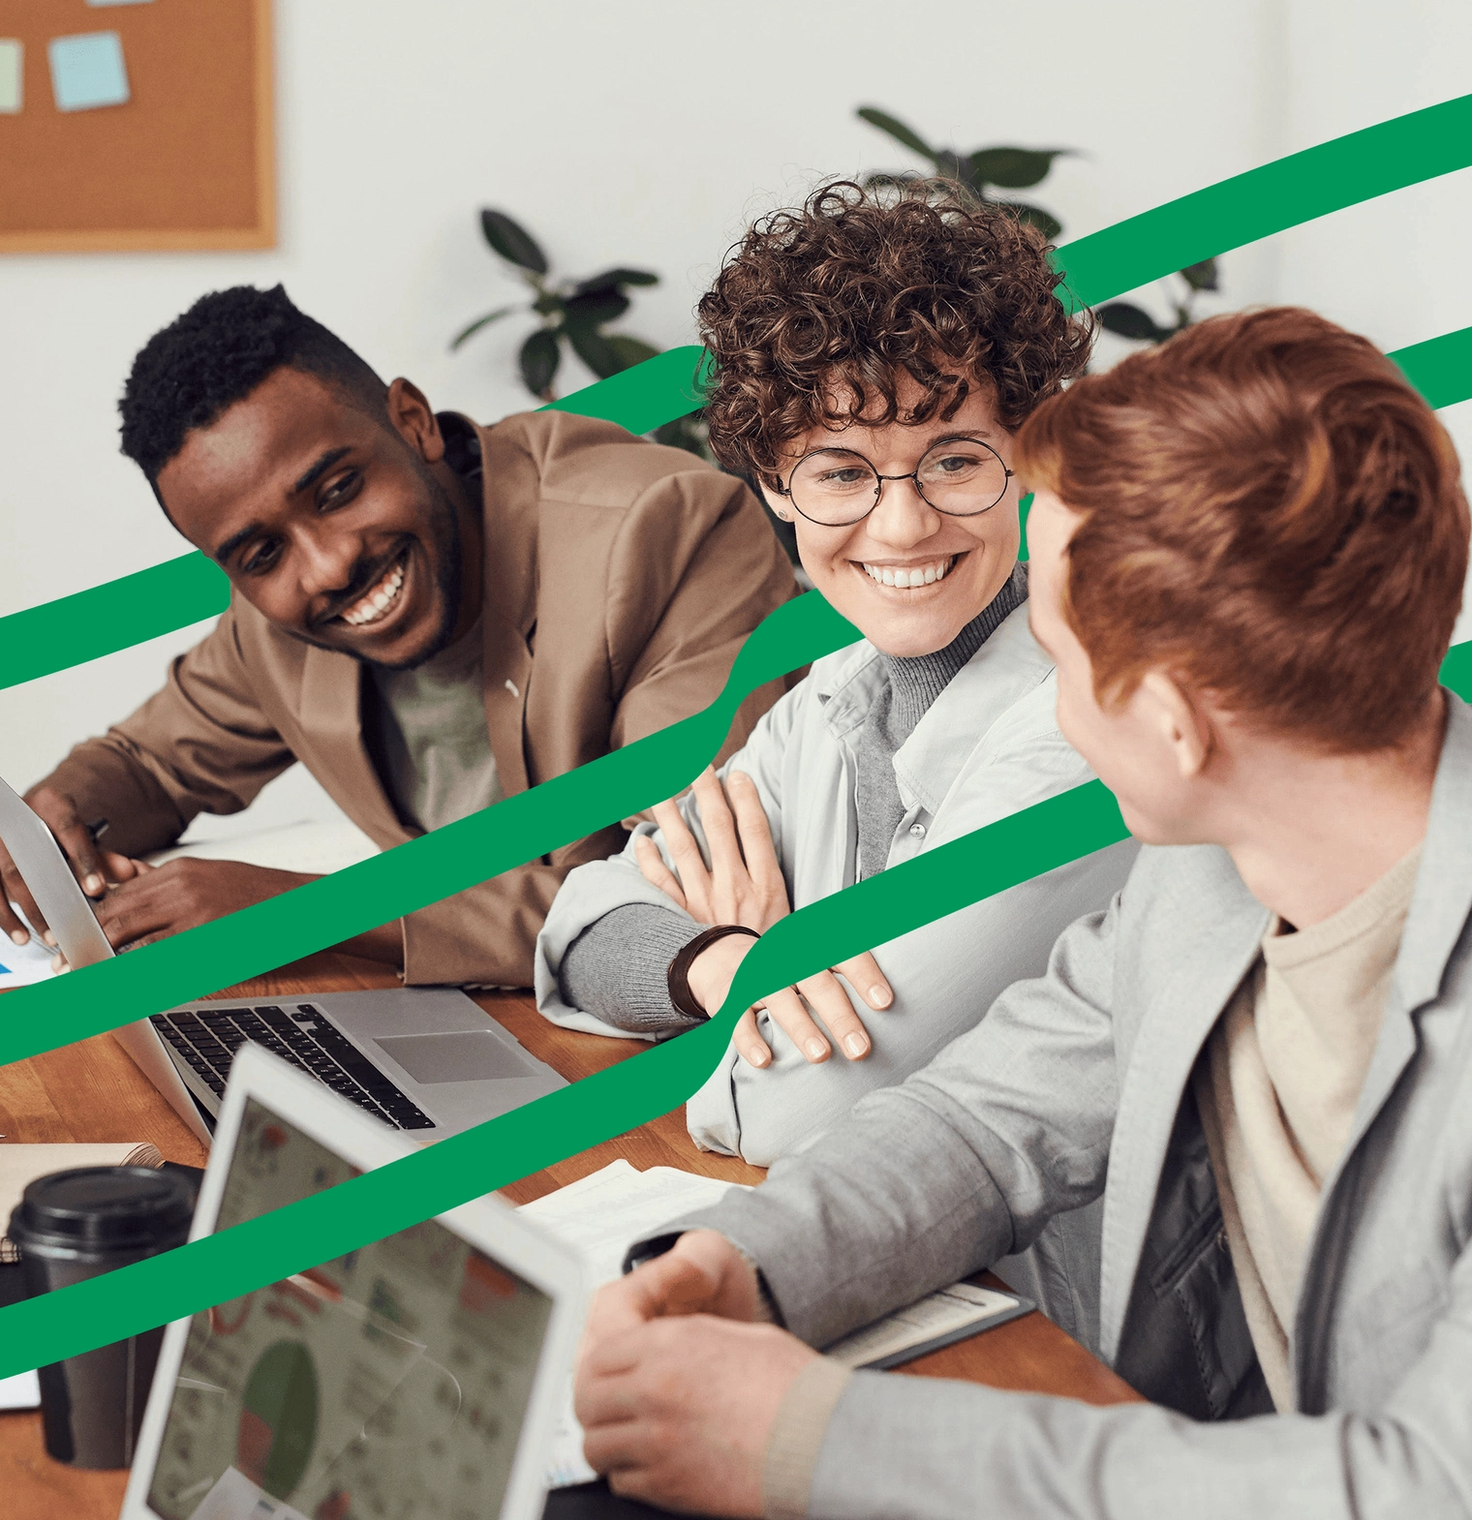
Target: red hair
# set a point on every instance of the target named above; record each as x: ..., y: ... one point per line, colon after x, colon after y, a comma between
x: 1272, y: 514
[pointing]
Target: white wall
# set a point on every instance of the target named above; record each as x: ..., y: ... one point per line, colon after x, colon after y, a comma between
x: 647, y: 132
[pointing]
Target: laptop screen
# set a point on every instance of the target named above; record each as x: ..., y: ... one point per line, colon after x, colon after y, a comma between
x: 392, y: 1381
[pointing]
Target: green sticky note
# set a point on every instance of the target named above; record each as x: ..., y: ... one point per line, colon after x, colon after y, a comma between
x: 12, y: 75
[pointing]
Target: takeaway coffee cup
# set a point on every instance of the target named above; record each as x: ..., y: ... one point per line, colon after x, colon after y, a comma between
x: 73, y: 1225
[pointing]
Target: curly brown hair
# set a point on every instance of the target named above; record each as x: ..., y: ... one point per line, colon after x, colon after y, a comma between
x: 817, y: 312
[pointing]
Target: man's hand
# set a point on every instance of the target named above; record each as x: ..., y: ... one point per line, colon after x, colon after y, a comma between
x: 744, y: 885
x: 676, y: 1389
x: 95, y: 869
x: 702, y: 1273
x: 184, y: 893
x: 678, y: 1412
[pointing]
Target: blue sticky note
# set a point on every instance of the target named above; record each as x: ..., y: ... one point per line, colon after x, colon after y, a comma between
x: 88, y: 71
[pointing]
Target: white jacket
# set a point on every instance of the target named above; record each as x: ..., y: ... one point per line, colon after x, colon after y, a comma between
x: 988, y: 747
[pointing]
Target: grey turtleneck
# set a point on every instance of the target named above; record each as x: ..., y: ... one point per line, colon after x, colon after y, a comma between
x: 914, y: 682
x: 616, y: 968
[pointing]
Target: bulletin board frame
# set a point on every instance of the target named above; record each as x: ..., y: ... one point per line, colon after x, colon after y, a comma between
x: 258, y: 231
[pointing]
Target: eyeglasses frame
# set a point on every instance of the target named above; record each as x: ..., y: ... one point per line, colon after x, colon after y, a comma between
x: 879, y: 480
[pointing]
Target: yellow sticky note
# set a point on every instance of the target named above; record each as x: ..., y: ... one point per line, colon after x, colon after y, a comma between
x: 12, y: 75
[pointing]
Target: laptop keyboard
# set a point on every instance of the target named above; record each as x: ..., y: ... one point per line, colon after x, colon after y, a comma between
x: 207, y: 1038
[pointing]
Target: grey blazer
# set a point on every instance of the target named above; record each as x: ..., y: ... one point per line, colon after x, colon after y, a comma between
x: 1077, y: 1083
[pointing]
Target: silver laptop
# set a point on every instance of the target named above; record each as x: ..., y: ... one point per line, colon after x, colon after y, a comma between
x: 426, y: 1061
x: 419, y: 1376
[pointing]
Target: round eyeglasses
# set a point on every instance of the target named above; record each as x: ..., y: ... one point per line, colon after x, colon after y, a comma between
x: 958, y: 476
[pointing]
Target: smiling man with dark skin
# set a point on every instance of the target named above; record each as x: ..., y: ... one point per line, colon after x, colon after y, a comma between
x: 428, y: 614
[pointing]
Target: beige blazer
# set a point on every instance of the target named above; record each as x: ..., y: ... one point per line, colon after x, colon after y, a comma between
x: 621, y: 578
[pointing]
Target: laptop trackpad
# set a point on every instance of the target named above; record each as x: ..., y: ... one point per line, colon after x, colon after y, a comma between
x: 470, y: 1056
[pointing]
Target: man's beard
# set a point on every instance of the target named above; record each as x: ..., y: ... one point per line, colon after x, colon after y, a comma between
x: 448, y: 579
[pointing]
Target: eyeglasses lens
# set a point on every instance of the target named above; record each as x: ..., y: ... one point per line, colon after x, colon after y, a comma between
x: 834, y: 486
x: 960, y: 477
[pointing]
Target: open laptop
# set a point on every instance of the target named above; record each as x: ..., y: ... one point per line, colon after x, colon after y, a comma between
x: 426, y: 1061
x: 416, y: 1377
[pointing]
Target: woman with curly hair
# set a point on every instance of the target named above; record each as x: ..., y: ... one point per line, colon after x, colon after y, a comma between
x: 873, y: 358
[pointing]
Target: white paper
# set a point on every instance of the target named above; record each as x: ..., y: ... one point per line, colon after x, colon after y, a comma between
x: 941, y: 1313
x: 235, y: 1497
x: 23, y: 1391
x: 20, y: 965
x: 315, y: 849
x: 600, y: 1217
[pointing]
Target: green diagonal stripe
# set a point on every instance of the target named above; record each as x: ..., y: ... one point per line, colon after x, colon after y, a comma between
x: 116, y: 615
x: 89, y: 624
x: 1316, y: 182
x: 303, y: 1234
x: 335, y: 908
x: 1440, y: 368
x: 658, y: 1080
x: 575, y: 1118
x: 1405, y: 151
x: 460, y: 855
x: 647, y: 396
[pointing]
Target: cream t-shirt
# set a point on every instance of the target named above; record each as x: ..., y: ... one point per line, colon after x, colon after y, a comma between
x: 428, y: 736
x: 1277, y: 1093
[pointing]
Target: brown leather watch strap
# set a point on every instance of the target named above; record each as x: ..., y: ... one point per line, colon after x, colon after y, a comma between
x: 678, y: 975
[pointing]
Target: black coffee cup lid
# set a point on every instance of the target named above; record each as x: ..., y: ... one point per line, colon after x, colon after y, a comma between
x: 103, y: 1209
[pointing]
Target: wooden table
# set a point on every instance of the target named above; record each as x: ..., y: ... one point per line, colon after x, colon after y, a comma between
x: 92, y: 1092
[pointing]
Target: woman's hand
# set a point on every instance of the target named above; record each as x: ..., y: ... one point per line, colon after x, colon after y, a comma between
x: 744, y: 885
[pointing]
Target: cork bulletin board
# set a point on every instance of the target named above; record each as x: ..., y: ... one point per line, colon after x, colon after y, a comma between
x: 135, y: 124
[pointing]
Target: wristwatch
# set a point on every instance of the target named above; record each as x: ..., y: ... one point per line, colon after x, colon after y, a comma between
x: 678, y: 976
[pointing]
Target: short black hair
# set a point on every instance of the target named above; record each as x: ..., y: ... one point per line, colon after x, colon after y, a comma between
x: 216, y: 354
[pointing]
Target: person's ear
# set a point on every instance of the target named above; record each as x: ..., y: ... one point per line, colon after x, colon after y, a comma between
x: 776, y: 503
x: 1180, y: 720
x: 414, y: 420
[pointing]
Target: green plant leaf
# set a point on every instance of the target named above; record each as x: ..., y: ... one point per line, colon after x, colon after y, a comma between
x: 596, y: 351
x: 630, y: 351
x: 1126, y: 320
x: 480, y: 322
x: 512, y: 241
x: 1014, y: 168
x: 595, y: 309
x: 612, y: 279
x: 1035, y: 216
x: 1202, y: 276
x: 539, y: 359
x: 897, y: 130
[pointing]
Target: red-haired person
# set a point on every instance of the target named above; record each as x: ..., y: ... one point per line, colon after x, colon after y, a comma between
x: 874, y: 357
x: 1248, y: 553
